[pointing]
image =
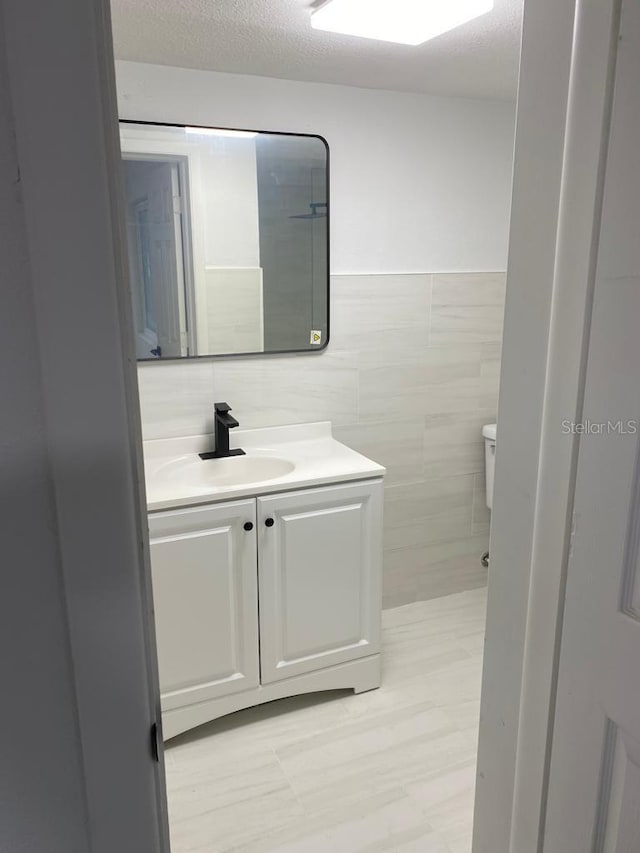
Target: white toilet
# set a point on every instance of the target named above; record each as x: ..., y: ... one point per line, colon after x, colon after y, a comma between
x: 489, y: 435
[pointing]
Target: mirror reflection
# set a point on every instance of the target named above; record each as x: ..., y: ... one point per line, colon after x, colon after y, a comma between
x: 228, y: 240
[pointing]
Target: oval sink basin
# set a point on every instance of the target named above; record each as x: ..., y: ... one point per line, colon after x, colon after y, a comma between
x: 197, y: 473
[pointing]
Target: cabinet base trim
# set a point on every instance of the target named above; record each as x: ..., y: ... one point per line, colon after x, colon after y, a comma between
x: 360, y: 675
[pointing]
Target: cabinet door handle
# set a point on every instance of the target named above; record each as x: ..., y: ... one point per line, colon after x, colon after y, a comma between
x: 269, y: 522
x: 248, y: 526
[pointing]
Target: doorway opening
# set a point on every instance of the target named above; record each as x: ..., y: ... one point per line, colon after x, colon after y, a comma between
x: 159, y: 241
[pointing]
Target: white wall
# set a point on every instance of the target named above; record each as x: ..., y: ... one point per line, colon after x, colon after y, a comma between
x: 229, y: 173
x: 419, y: 183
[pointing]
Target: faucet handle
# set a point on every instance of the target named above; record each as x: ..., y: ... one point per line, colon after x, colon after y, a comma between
x: 223, y: 417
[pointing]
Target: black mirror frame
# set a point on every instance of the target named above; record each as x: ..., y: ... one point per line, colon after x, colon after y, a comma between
x: 310, y: 351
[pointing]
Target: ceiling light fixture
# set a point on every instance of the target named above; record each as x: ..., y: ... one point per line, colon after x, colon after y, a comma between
x: 217, y: 131
x: 402, y: 21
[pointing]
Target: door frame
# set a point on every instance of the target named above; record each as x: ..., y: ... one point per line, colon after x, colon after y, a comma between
x: 564, y: 113
x: 144, y: 333
x: 184, y: 240
x: 156, y: 145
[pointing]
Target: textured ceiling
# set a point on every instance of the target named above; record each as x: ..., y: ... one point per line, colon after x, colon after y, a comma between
x: 273, y: 38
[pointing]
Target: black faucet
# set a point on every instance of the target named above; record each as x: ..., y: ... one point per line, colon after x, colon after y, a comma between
x: 223, y: 422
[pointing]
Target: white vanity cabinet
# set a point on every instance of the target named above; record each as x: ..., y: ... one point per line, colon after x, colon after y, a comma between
x: 266, y: 597
x: 320, y: 578
x: 205, y: 594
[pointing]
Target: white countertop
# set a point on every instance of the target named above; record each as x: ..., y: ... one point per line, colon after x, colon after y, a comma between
x: 175, y: 475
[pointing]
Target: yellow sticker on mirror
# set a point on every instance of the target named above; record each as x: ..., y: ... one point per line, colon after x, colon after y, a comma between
x: 316, y: 337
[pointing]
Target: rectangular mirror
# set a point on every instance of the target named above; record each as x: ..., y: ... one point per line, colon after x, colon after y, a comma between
x: 228, y: 234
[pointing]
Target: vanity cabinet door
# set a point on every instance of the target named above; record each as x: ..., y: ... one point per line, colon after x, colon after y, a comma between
x: 203, y: 566
x: 320, y: 578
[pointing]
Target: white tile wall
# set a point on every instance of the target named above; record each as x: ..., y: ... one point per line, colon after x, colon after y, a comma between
x: 467, y: 308
x: 409, y: 378
x: 176, y: 398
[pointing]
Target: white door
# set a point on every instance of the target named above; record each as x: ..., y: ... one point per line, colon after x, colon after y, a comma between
x: 320, y: 577
x: 594, y: 793
x: 203, y: 566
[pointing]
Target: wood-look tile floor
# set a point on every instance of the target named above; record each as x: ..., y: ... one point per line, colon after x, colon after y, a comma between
x: 390, y: 771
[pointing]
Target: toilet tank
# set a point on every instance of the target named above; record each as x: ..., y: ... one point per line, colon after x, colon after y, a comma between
x: 489, y: 435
